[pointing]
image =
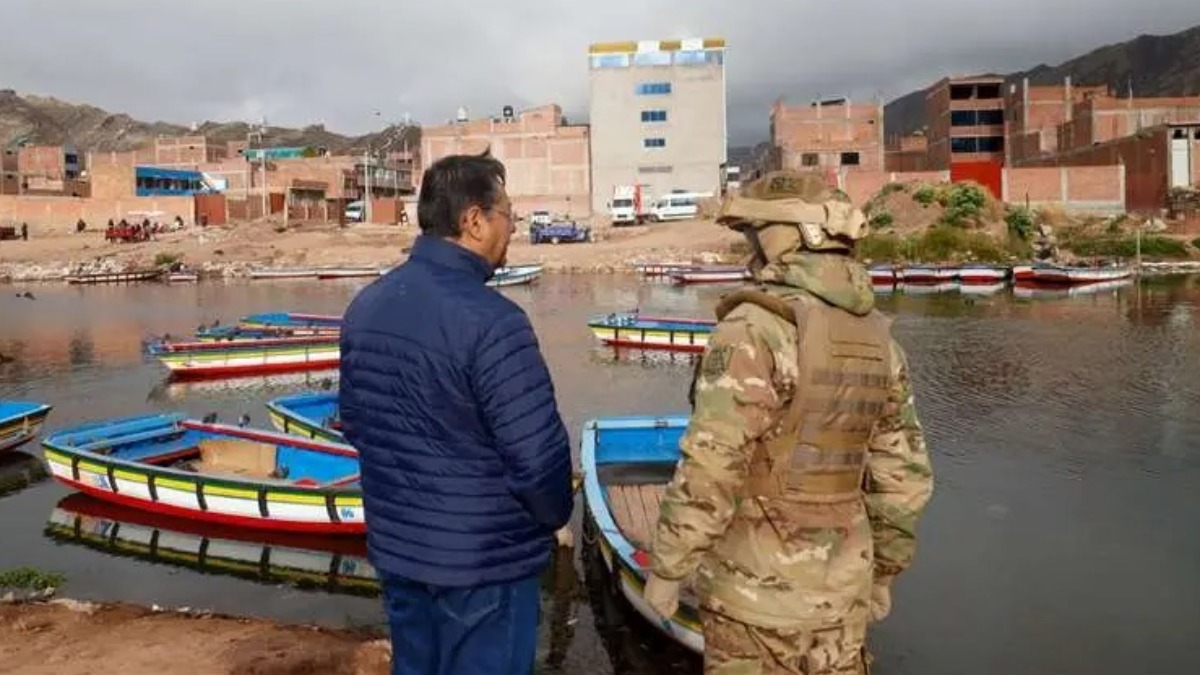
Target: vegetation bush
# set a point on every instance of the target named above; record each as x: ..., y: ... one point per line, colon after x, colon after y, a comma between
x: 881, y: 220
x: 925, y: 195
x: 166, y: 259
x: 1108, y: 246
x: 1020, y: 223
x: 964, y: 204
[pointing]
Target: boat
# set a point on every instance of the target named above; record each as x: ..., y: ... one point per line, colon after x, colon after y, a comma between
x: 882, y: 274
x: 515, y: 276
x: 1030, y: 290
x: 301, y: 273
x: 982, y: 289
x: 926, y: 288
x: 331, y: 564
x: 926, y: 274
x: 165, y: 463
x: 182, y: 277
x: 349, y: 273
x: 237, y: 333
x: 627, y: 463
x: 982, y: 274
x: 308, y: 414
x: 631, y: 329
x: 1025, y: 272
x: 128, y: 277
x: 709, y: 275
x: 290, y: 320
x: 20, y: 422
x: 1063, y: 274
x: 248, y: 357
x: 662, y: 269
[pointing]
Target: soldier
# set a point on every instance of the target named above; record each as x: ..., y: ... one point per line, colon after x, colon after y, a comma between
x: 804, y: 467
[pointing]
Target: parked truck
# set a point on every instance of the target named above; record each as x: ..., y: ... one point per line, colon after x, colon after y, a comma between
x: 629, y: 206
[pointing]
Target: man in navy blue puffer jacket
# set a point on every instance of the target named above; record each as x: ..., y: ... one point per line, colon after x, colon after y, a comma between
x: 466, y: 465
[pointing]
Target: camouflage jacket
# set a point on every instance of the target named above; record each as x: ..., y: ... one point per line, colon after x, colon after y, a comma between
x: 707, y: 525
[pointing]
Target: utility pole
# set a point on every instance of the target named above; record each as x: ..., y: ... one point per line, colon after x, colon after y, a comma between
x: 367, y: 184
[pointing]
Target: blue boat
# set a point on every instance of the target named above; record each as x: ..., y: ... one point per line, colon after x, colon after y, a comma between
x: 515, y: 276
x: 290, y: 320
x: 20, y: 422
x: 627, y: 463
x: 201, y: 470
x: 639, y: 331
x: 308, y: 414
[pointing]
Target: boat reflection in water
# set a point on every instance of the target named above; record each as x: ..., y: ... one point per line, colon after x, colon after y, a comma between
x: 332, y: 564
x: 176, y: 390
x: 1029, y: 290
x: 19, y: 470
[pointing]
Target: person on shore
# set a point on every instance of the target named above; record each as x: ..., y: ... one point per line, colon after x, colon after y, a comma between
x: 24, y: 232
x: 466, y: 463
x: 804, y: 467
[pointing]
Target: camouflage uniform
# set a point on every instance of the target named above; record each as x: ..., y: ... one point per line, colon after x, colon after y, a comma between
x: 804, y: 471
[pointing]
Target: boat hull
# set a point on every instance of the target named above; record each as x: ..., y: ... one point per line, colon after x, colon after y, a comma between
x: 348, y: 274
x: 305, y: 415
x: 259, y: 504
x: 982, y: 275
x: 640, y: 332
x: 1079, y: 275
x: 515, y: 276
x: 20, y: 422
x: 114, y: 277
x: 927, y: 275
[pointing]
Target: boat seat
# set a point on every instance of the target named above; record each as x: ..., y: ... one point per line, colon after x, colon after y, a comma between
x: 178, y: 447
x: 236, y: 457
x: 635, y: 509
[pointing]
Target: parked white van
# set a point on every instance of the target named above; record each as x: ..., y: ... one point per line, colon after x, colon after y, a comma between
x: 678, y: 206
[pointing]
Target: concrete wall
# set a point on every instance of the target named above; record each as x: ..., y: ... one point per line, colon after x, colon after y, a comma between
x: 694, y: 129
x: 547, y: 163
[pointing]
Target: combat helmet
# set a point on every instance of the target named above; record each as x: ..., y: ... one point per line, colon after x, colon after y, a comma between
x: 787, y: 210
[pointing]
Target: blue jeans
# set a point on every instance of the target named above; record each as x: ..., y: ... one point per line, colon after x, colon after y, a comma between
x: 478, y: 630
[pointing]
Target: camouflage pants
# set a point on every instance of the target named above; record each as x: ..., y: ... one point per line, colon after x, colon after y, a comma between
x: 734, y: 648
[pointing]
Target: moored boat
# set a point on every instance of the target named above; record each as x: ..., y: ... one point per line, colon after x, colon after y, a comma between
x: 331, y: 564
x: 631, y: 329
x: 167, y: 464
x: 307, y: 414
x: 627, y: 463
x: 882, y: 274
x: 926, y: 274
x: 301, y: 273
x: 348, y: 273
x: 248, y: 357
x: 238, y: 333
x: 290, y: 320
x: 1063, y: 274
x: 515, y: 275
x: 662, y: 269
x: 20, y: 422
x: 182, y: 277
x: 710, y: 275
x: 132, y: 276
x: 982, y: 274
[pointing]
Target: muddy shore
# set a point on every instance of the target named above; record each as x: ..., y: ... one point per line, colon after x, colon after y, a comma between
x: 232, y: 251
x: 67, y: 637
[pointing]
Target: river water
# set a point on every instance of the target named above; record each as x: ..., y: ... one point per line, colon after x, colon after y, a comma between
x: 1061, y: 537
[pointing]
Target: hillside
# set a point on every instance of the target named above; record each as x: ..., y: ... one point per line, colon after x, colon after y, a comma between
x: 1155, y: 65
x: 42, y: 120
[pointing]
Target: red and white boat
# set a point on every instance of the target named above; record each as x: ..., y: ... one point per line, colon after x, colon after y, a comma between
x: 1062, y: 274
x: 882, y: 274
x: 926, y: 274
x: 982, y: 274
x: 710, y: 275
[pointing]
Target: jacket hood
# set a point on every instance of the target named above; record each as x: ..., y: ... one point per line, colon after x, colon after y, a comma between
x: 836, y: 279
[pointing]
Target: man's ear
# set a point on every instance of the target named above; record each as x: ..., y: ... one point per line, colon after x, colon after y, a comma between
x: 471, y: 224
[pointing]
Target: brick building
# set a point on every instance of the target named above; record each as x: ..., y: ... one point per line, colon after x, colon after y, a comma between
x: 966, y: 122
x: 907, y: 153
x: 547, y: 160
x: 829, y: 135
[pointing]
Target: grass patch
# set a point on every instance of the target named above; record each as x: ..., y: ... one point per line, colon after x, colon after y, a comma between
x: 1124, y: 246
x: 942, y: 243
x: 881, y: 220
x: 28, y: 578
x: 166, y: 259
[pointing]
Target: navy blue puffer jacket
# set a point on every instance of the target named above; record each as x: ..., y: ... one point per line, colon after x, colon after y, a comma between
x: 466, y: 464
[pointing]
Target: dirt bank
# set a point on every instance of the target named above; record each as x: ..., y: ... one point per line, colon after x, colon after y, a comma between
x: 232, y: 250
x: 64, y: 637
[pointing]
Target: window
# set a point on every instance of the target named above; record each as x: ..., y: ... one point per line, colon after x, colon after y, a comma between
x: 962, y: 118
x: 715, y: 57
x: 652, y: 59
x: 652, y: 88
x: 990, y: 144
x: 610, y: 61
x: 654, y: 115
x: 810, y: 159
x: 690, y: 58
x: 963, y: 144
x: 656, y: 168
x: 989, y: 117
x: 654, y: 142
x: 850, y: 159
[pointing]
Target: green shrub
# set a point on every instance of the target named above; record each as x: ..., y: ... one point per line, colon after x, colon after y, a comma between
x: 964, y: 204
x: 881, y: 220
x: 1126, y: 247
x: 166, y: 259
x: 1196, y: 242
x: 1020, y: 223
x: 28, y: 578
x: 925, y: 195
x: 891, y: 187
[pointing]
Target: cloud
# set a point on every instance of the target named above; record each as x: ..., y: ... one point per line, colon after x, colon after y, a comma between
x: 302, y: 61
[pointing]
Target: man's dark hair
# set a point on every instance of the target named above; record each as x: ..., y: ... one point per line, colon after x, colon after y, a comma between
x: 453, y: 184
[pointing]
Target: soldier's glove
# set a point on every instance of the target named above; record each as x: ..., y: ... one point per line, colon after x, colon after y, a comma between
x: 881, y: 601
x: 662, y: 595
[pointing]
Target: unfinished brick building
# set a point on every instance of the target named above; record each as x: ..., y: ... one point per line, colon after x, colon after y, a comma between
x: 828, y: 135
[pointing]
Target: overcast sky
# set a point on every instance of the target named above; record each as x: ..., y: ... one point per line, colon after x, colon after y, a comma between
x: 335, y: 61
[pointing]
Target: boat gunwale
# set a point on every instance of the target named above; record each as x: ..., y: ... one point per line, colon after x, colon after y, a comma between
x: 279, y: 406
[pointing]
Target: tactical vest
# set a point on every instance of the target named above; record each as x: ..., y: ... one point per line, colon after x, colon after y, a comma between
x: 818, y: 451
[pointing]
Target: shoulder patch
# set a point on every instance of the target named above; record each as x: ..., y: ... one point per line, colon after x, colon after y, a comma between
x: 716, y: 361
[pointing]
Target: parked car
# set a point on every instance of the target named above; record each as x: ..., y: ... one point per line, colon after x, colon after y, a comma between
x: 540, y: 218
x: 561, y: 231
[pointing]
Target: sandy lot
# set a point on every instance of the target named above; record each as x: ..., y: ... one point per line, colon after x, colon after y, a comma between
x: 234, y: 248
x: 69, y: 638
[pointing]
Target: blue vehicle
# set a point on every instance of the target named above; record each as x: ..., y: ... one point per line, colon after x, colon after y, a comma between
x: 560, y: 231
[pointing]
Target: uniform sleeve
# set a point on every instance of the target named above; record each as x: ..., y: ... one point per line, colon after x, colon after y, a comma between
x: 899, y: 480
x: 735, y: 400
x: 517, y: 397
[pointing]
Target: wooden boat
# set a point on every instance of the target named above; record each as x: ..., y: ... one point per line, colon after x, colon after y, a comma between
x: 302, y: 273
x: 237, y: 333
x: 20, y: 422
x: 662, y: 269
x: 627, y: 463
x: 164, y: 463
x: 308, y: 414
x: 290, y: 320
x: 926, y: 274
x: 182, y: 277
x: 1062, y: 274
x: 515, y: 276
x: 349, y: 273
x: 332, y: 564
x: 128, y: 277
x: 881, y: 274
x: 710, y: 275
x: 631, y: 329
x: 982, y: 274
x: 248, y: 357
